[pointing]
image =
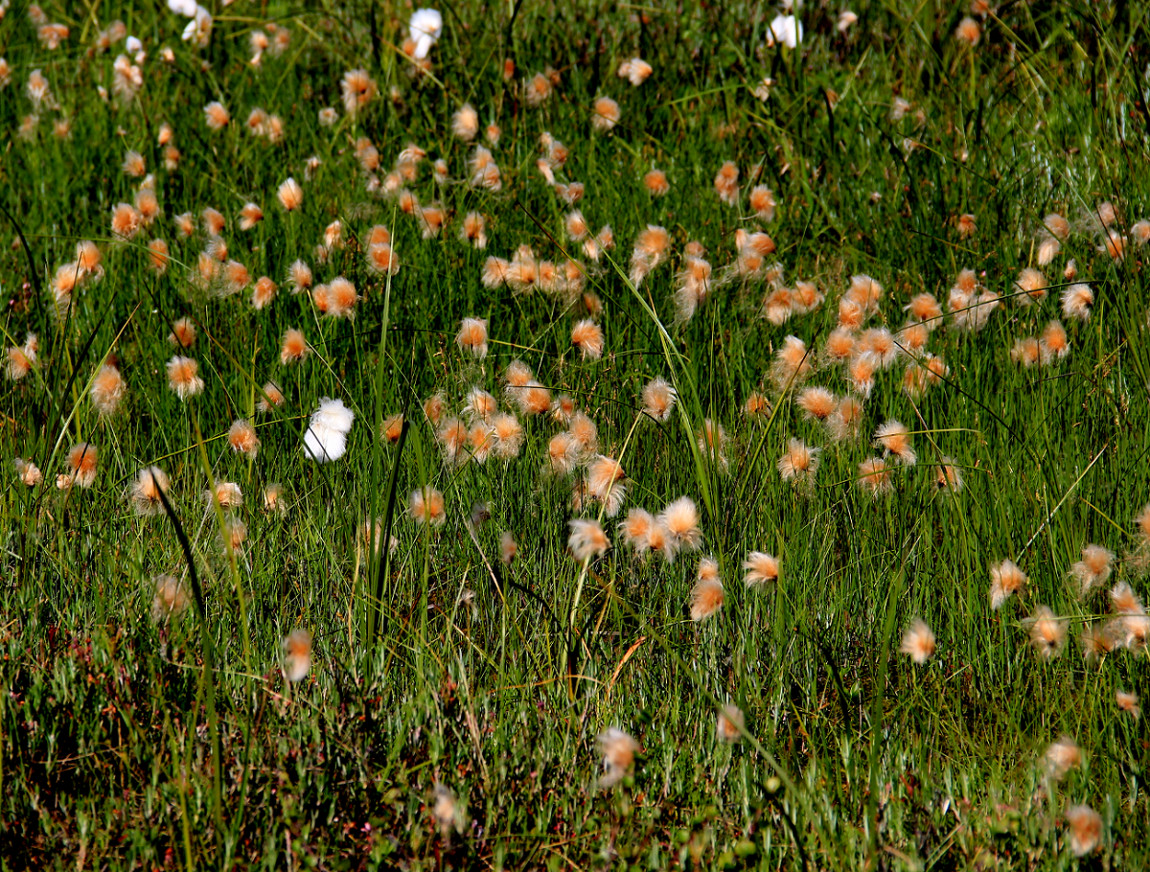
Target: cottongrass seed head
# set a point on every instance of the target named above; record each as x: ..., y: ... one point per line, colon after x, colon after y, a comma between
x: 731, y: 723
x: 895, y: 438
x: 681, y: 521
x: 918, y: 642
x: 618, y: 750
x: 326, y: 436
x: 145, y: 489
x: 1062, y: 756
x: 874, y: 477
x: 587, y: 539
x: 426, y: 507
x: 1047, y: 633
x: 297, y: 655
x: 1084, y: 829
x: 1127, y: 702
x: 1093, y: 570
x: 799, y: 463
x: 472, y: 337
x: 28, y: 472
x: 169, y: 598
x: 108, y: 390
x: 1006, y: 580
x: 761, y: 568
x: 659, y: 399
x: 83, y: 458
x: 184, y: 377
x: 243, y: 439
x: 708, y: 594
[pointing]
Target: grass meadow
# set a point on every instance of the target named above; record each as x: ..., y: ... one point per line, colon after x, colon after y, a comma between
x: 785, y: 504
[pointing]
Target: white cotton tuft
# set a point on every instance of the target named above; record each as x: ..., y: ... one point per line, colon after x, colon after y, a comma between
x: 326, y: 436
x: 199, y: 29
x: 426, y: 26
x: 186, y: 8
x: 785, y: 29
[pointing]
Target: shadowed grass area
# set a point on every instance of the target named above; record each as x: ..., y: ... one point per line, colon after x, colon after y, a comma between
x: 450, y: 699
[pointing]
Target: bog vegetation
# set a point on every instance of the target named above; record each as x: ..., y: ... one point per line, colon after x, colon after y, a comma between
x: 574, y: 436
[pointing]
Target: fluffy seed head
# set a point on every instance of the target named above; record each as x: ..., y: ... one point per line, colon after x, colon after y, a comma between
x: 28, y: 472
x: 618, y: 750
x: 895, y: 438
x: 1127, y: 702
x: 762, y: 203
x: 587, y: 336
x: 636, y: 530
x: 273, y: 397
x: 326, y: 436
x: 659, y: 398
x: 426, y: 507
x: 358, y: 89
x: 1125, y: 601
x: 727, y: 183
x: 1033, y: 286
x: 1093, y: 570
x: 947, y: 475
x: 879, y: 342
x: 681, y: 521
x: 605, y: 483
x: 792, y: 363
x: 507, y: 546
x: 817, y: 403
x: 227, y: 494
x: 1006, y: 580
x: 250, y: 216
x: 708, y: 594
x: 1053, y: 344
x: 144, y: 492
x: 293, y: 346
x: 1084, y: 829
x: 508, y: 434
x: 184, y: 378
x: 846, y: 421
x: 216, y: 115
x: 840, y: 345
x: 243, y: 439
x: 82, y: 466
x: 604, y: 114
x: 731, y: 723
x: 1076, y: 301
x: 1047, y: 633
x: 563, y: 453
x: 263, y: 292
x: 587, y: 539
x: 656, y: 183
x: 799, y: 462
x: 1062, y: 756
x: 918, y: 642
x: 465, y: 123
x: 968, y: 31
x: 158, y: 256
x: 290, y: 195
x: 297, y: 655
x: 170, y: 599
x: 472, y: 336
x: 757, y: 406
x: 126, y: 220
x: 635, y: 70
x: 108, y: 390
x: 761, y: 568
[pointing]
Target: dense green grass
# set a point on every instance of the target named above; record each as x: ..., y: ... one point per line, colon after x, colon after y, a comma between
x: 130, y: 742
